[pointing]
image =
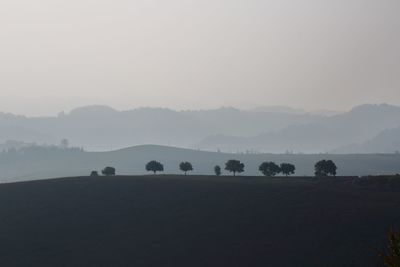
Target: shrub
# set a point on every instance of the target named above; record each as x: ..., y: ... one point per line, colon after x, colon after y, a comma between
x: 391, y: 257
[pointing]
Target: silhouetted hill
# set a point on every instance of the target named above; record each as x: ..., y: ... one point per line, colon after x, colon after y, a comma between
x: 47, y: 162
x: 193, y: 221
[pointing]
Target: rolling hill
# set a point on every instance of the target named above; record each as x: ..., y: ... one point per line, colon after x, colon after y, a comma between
x: 38, y: 162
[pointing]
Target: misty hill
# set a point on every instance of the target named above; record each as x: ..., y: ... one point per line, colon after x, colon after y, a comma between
x: 386, y: 141
x: 103, y: 128
x: 193, y: 221
x: 45, y: 162
x: 273, y: 130
x: 289, y: 110
x: 279, y: 109
x: 359, y: 125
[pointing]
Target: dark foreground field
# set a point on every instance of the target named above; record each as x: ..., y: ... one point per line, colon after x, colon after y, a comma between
x: 193, y: 221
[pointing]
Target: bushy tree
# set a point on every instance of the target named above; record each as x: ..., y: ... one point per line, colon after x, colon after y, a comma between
x: 288, y: 169
x: 325, y: 168
x: 217, y: 170
x: 269, y: 168
x: 154, y: 166
x: 186, y: 167
x: 108, y: 171
x: 234, y: 166
x: 94, y: 173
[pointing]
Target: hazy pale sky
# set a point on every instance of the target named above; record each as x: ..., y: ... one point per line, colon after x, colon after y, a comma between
x: 190, y: 54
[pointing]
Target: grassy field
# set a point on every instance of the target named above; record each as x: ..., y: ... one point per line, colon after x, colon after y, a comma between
x: 194, y: 221
x: 34, y: 165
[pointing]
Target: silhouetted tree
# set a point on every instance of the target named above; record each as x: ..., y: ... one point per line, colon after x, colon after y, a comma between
x: 288, y: 169
x: 108, y: 171
x: 325, y: 168
x: 154, y: 166
x: 234, y: 166
x: 391, y: 257
x: 269, y: 168
x: 217, y: 170
x: 94, y: 173
x: 185, y: 167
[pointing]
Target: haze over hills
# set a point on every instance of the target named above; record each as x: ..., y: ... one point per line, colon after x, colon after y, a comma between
x: 103, y: 128
x: 289, y: 110
x: 265, y: 129
x: 388, y: 140
x: 322, y: 135
x: 199, y: 133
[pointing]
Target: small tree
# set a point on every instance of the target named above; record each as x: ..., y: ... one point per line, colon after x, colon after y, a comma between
x: 64, y: 143
x: 288, y: 169
x: 325, y: 168
x: 186, y: 167
x: 217, y: 170
x: 154, y: 166
x: 234, y: 166
x: 94, y: 173
x: 391, y: 257
x: 108, y: 171
x: 269, y: 168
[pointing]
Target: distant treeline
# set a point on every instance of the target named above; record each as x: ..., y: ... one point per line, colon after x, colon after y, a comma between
x: 322, y: 168
x: 38, y: 151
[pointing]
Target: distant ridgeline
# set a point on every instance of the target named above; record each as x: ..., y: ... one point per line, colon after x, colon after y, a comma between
x: 364, y: 129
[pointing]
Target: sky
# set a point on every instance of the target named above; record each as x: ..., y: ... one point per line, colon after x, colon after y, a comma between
x: 198, y: 54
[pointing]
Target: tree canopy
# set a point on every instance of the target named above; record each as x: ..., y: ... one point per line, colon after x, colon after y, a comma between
x: 186, y: 167
x: 108, y: 171
x: 325, y: 168
x: 288, y: 169
x: 269, y: 168
x: 234, y: 166
x: 217, y: 170
x: 154, y: 166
